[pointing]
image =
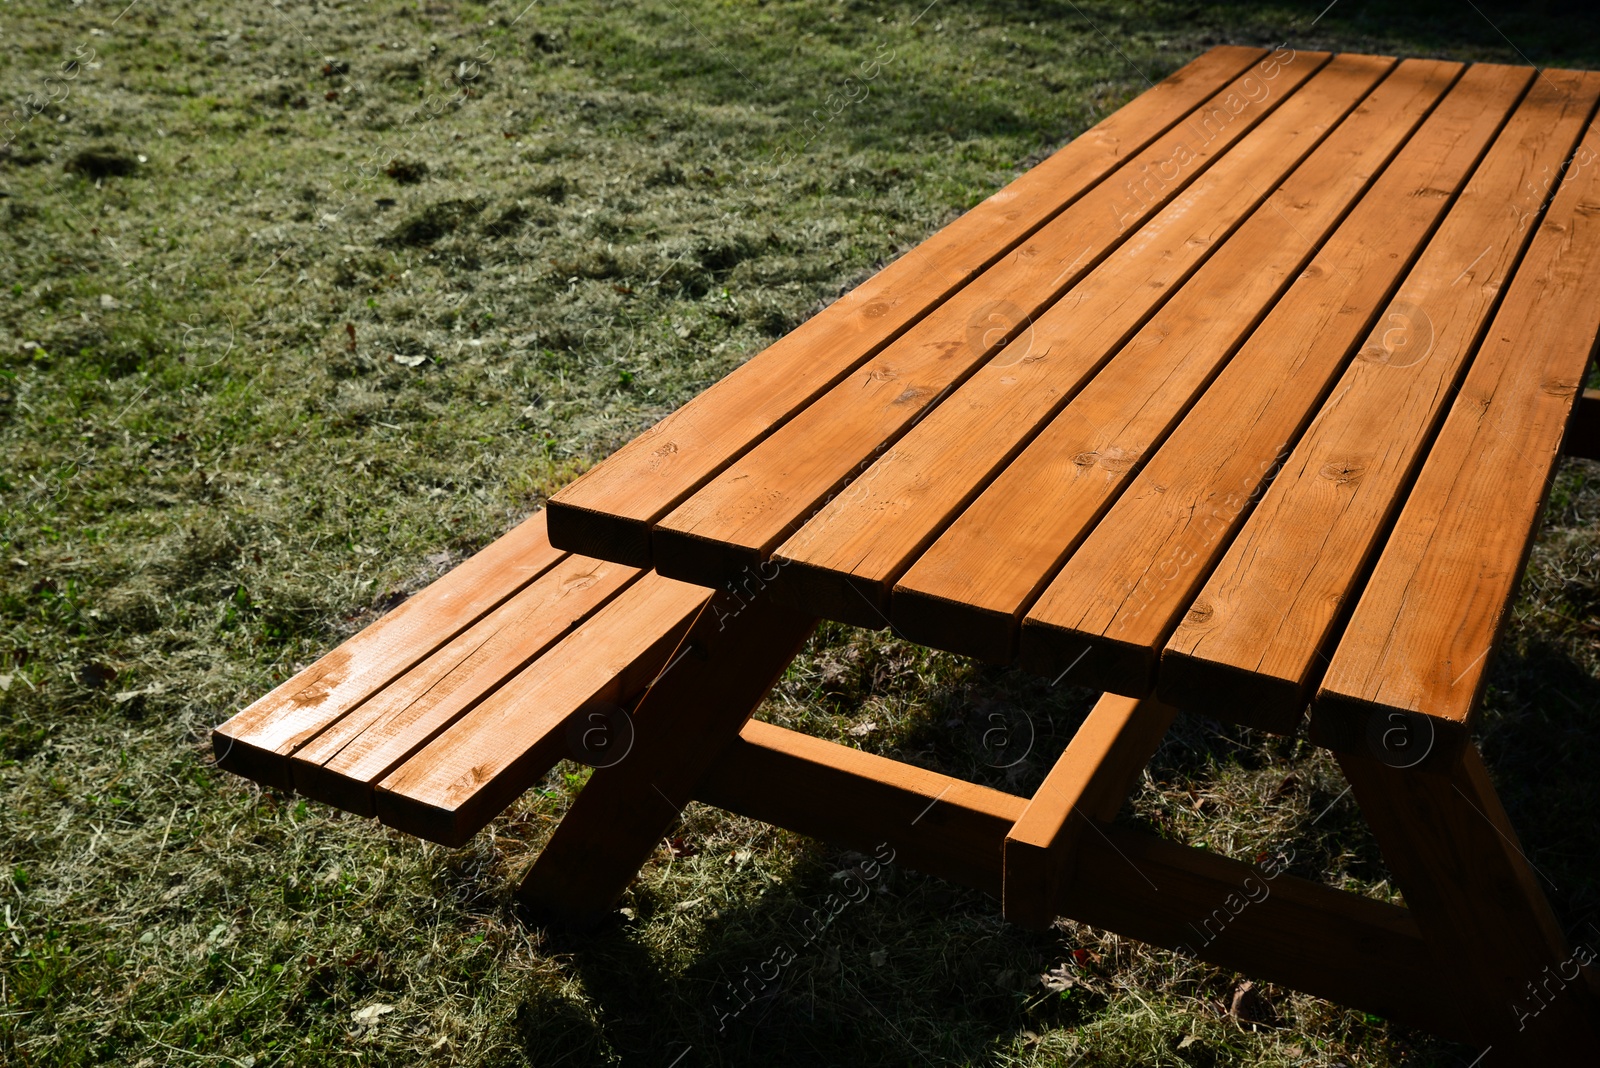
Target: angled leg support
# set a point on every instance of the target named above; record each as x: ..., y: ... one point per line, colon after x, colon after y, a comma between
x: 730, y: 658
x: 1478, y: 902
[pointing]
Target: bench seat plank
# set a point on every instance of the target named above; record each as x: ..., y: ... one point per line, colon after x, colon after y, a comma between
x: 478, y: 765
x: 257, y: 741
x: 341, y: 765
x: 1419, y: 639
x: 726, y: 527
x: 608, y: 512
x: 1110, y: 609
x: 1252, y: 640
x: 849, y: 555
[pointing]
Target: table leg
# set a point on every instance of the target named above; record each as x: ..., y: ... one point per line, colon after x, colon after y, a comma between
x: 732, y: 655
x: 1478, y: 902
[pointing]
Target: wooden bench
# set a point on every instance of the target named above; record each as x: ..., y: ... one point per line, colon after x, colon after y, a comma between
x: 440, y: 714
x: 1243, y: 403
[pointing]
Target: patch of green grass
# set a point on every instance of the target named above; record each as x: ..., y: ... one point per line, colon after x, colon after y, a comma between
x: 300, y: 304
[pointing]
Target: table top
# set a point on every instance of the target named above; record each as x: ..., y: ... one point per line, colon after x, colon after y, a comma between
x: 1248, y: 397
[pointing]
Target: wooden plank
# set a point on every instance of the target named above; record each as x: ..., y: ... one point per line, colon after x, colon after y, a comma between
x: 934, y: 823
x: 1109, y: 610
x: 741, y: 515
x: 1583, y: 436
x: 1420, y: 638
x: 969, y: 590
x: 1478, y: 903
x: 463, y: 778
x: 608, y: 512
x: 343, y: 763
x: 845, y: 560
x: 1279, y: 928
x: 726, y: 664
x: 1086, y: 787
x: 257, y: 741
x: 1250, y: 646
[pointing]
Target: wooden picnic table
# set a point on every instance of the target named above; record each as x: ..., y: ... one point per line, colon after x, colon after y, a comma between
x: 1245, y: 403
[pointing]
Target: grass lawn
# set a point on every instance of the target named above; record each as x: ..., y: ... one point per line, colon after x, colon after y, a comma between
x: 301, y: 303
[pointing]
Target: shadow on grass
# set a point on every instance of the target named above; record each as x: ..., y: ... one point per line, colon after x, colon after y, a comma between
x: 924, y: 972
x: 1541, y: 740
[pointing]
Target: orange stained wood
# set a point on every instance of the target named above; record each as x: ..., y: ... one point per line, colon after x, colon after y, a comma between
x: 286, y: 718
x: 1420, y: 636
x: 1112, y: 606
x: 341, y: 764
x: 969, y: 590
x: 611, y: 508
x: 736, y: 520
x: 932, y: 822
x: 1086, y: 787
x: 845, y: 559
x: 460, y: 780
x: 1251, y: 641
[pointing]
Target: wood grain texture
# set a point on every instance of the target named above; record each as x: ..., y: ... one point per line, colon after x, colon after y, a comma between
x: 258, y: 740
x: 1583, y: 435
x: 934, y: 823
x: 1252, y: 641
x: 736, y: 520
x: 842, y: 563
x: 1113, y: 604
x: 968, y: 590
x: 1086, y: 788
x: 343, y: 763
x: 608, y: 512
x: 1422, y: 632
x: 727, y: 662
x: 462, y: 779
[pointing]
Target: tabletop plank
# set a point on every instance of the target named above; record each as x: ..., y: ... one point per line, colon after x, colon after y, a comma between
x: 1250, y: 645
x: 1110, y: 609
x: 844, y: 561
x: 341, y: 764
x: 485, y: 759
x: 736, y: 520
x: 1420, y: 636
x: 609, y: 511
x: 257, y: 739
x: 968, y: 591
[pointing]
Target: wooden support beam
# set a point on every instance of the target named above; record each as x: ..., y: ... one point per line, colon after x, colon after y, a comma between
x: 733, y: 653
x: 1277, y: 927
x: 1477, y: 900
x: 1086, y: 787
x: 934, y: 823
x: 1583, y: 433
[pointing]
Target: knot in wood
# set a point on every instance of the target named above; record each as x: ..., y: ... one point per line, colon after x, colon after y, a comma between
x: 1342, y: 472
